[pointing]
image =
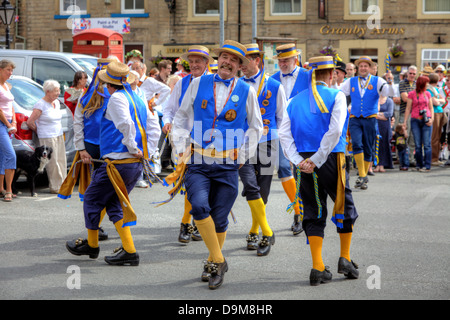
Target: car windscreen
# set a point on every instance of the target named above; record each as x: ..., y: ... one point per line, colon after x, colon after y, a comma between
x: 88, y: 64
x: 25, y: 93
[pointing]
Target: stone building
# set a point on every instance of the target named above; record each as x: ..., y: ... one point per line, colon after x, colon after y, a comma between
x: 166, y: 28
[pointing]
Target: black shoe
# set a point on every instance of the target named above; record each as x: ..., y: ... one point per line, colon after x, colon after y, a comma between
x: 265, y: 244
x: 206, y: 274
x: 317, y: 277
x: 296, y: 225
x: 123, y: 258
x: 348, y: 268
x: 185, y: 233
x: 196, y: 236
x: 252, y: 241
x: 80, y: 247
x: 364, y: 183
x: 102, y: 234
x: 217, y: 271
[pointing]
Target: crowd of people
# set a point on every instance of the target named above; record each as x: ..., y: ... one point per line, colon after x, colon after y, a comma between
x: 211, y: 127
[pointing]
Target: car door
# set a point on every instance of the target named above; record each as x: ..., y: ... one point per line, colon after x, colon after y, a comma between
x: 47, y: 68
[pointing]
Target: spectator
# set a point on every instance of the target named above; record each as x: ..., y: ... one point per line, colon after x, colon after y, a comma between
x: 153, y: 72
x: 419, y: 105
x: 165, y: 69
x: 339, y: 75
x: 77, y: 89
x: 384, y: 126
x: 45, y: 120
x: 7, y: 128
x: 439, y: 118
x: 400, y: 144
x: 405, y: 86
x: 182, y: 67
x: 351, y: 70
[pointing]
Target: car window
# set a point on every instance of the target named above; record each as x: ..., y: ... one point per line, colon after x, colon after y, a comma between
x: 25, y: 93
x: 88, y: 64
x: 46, y: 69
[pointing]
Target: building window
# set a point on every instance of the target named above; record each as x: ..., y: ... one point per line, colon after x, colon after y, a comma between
x: 132, y: 6
x: 286, y: 7
x: 436, y: 6
x: 71, y: 7
x: 435, y: 57
x: 361, y: 6
x: 206, y: 7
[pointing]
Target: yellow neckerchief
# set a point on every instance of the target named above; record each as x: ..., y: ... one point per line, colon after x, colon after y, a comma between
x: 366, y: 84
x: 141, y: 129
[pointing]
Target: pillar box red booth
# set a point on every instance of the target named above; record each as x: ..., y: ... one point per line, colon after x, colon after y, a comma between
x: 99, y: 42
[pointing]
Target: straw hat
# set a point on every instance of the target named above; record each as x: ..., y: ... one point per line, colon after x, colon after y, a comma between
x: 197, y: 51
x: 235, y: 48
x: 364, y: 59
x: 253, y: 48
x: 116, y: 73
x: 321, y: 63
x: 214, y: 65
x: 103, y: 62
x: 427, y: 70
x: 286, y: 51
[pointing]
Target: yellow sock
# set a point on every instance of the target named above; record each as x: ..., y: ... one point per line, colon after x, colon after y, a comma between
x: 258, y: 209
x: 346, y: 240
x: 187, y: 211
x: 221, y: 238
x: 93, y: 238
x: 290, y: 189
x: 315, y: 244
x: 207, y: 230
x: 360, y: 163
x: 366, y: 167
x: 255, y: 225
x: 125, y: 236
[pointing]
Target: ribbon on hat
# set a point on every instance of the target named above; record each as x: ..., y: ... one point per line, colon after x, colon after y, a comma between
x: 387, y: 61
x: 314, y: 97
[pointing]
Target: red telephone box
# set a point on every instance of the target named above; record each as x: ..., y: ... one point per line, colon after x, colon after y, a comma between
x: 99, y: 42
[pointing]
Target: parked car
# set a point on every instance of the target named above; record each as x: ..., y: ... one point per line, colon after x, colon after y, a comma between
x: 45, y: 65
x: 26, y: 93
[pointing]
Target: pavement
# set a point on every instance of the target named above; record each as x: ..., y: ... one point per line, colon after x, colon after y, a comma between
x: 400, y: 242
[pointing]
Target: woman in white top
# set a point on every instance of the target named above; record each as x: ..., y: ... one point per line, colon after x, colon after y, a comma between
x: 46, y: 122
x: 7, y: 128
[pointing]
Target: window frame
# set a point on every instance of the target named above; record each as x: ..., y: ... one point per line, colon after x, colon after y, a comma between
x: 285, y: 13
x: 69, y: 13
x: 130, y: 11
x: 348, y: 15
x: 192, y: 17
x: 421, y: 14
x: 270, y: 16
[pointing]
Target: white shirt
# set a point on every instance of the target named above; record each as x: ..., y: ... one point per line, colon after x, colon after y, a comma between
x: 329, y: 140
x: 288, y: 82
x: 184, y: 118
x: 172, y: 105
x: 118, y: 111
x: 48, y: 125
x: 151, y: 87
x: 281, y: 98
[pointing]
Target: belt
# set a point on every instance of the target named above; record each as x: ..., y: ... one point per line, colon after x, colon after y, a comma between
x: 361, y: 117
x: 213, y: 153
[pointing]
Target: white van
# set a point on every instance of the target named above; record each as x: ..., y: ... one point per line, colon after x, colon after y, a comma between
x: 44, y: 65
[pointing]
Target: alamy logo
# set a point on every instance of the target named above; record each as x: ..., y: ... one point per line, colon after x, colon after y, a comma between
x: 75, y: 17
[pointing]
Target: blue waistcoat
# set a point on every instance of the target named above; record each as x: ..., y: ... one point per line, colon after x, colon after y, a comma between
x: 368, y: 104
x: 309, y: 128
x: 92, y: 122
x: 111, y: 137
x: 228, y: 130
x: 300, y: 84
x: 269, y: 110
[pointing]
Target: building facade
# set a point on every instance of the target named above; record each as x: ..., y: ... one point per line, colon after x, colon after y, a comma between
x: 166, y: 28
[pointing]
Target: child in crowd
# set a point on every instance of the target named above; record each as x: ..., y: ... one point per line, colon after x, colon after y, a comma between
x: 400, y: 137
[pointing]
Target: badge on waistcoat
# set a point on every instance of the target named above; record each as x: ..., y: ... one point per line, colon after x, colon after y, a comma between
x: 353, y: 89
x: 235, y: 98
x: 265, y: 103
x: 230, y: 115
x: 263, y: 111
x: 204, y: 104
x: 370, y: 87
x: 266, y: 121
x: 266, y: 131
x: 269, y: 94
